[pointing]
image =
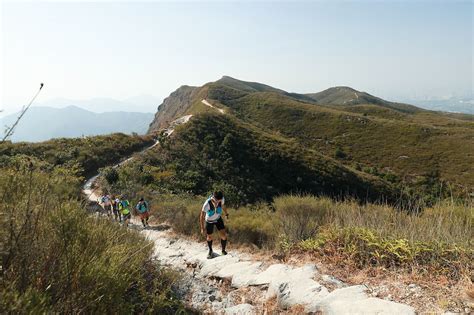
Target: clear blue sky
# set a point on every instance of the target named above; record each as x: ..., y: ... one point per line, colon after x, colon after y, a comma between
x: 120, y: 49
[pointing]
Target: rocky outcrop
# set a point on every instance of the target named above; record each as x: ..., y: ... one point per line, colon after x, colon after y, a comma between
x: 174, y: 106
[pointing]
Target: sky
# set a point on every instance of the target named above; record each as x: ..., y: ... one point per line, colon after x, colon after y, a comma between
x: 81, y: 50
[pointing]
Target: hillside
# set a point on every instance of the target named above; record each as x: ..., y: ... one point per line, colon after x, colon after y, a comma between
x: 398, y: 142
x: 44, y: 123
x: 346, y: 96
x: 83, y: 155
x: 215, y: 150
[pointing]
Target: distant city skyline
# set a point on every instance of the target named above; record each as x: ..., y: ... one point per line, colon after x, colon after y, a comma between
x: 394, y: 50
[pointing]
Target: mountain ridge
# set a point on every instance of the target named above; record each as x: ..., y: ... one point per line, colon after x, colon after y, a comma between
x: 393, y: 140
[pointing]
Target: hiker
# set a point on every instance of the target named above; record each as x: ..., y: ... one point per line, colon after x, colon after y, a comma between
x: 124, y: 207
x: 115, y: 209
x: 211, y: 213
x: 143, y: 211
x: 106, y: 204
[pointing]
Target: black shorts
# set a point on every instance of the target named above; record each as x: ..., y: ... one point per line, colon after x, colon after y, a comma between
x: 210, y: 226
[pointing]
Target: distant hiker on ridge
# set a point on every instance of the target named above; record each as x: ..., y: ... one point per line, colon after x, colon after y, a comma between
x: 211, y: 214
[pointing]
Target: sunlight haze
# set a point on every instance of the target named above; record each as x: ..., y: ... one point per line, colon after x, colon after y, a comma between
x: 86, y: 50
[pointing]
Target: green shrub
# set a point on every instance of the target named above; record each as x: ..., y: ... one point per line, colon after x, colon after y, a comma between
x: 364, y: 247
x: 110, y: 174
x: 301, y: 216
x: 253, y: 227
x: 57, y: 259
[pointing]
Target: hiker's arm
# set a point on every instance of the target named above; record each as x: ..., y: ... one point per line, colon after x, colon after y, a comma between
x: 224, y: 207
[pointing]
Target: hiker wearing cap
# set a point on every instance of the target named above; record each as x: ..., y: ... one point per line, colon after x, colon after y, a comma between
x: 143, y: 211
x: 211, y: 214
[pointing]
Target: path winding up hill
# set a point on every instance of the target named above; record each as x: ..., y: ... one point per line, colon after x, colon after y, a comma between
x: 243, y: 284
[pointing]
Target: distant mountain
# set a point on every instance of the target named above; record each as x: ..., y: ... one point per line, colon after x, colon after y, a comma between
x: 396, y: 141
x: 346, y: 96
x: 43, y: 123
x: 141, y: 103
x: 452, y: 105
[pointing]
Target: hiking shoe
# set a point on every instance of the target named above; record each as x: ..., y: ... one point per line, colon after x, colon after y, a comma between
x: 210, y: 255
x: 224, y: 252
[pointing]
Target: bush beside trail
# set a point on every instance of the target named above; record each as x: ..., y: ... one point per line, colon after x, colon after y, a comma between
x: 55, y: 258
x: 89, y: 153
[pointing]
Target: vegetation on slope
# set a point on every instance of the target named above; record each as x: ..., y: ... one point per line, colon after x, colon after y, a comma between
x: 383, y: 141
x: 218, y: 151
x: 89, y: 153
x: 421, y: 151
x: 55, y: 258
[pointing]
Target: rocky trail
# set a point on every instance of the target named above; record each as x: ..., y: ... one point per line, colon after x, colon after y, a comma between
x: 243, y: 283
x: 205, y: 102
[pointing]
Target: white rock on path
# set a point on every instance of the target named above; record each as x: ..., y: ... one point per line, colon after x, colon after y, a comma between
x: 354, y: 300
x: 212, y: 266
x: 229, y: 271
x: 296, y: 287
x: 273, y: 272
x: 240, y: 309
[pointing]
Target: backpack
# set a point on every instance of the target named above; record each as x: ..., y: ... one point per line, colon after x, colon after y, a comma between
x: 143, y: 205
x: 212, y: 208
x: 123, y: 204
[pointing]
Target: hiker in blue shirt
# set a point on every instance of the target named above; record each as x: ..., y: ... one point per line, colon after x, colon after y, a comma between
x: 211, y: 214
x: 143, y: 211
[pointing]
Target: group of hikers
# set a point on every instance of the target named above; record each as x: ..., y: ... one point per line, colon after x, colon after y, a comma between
x: 210, y: 216
x: 119, y: 207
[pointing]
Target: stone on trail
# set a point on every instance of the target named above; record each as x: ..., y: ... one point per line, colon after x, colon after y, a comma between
x: 247, y: 276
x: 275, y: 271
x: 212, y: 266
x: 241, y: 309
x: 296, y: 287
x: 354, y: 300
x: 305, y: 272
x: 230, y: 271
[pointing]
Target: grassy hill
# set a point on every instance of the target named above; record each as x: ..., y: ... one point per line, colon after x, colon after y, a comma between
x: 398, y: 142
x: 215, y: 150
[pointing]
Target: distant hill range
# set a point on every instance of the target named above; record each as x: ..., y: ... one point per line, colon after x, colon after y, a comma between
x: 141, y: 104
x: 345, y: 129
x: 453, y: 105
x: 43, y: 123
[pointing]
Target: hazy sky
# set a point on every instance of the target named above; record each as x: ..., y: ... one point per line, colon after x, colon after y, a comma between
x: 120, y: 49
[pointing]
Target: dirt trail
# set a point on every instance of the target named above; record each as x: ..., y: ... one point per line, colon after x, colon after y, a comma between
x: 240, y: 283
x: 205, y: 102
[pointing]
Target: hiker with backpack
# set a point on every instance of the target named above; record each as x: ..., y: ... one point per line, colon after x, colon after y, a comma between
x: 211, y: 214
x: 143, y: 211
x: 124, y: 208
x: 115, y: 209
x: 106, y: 202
